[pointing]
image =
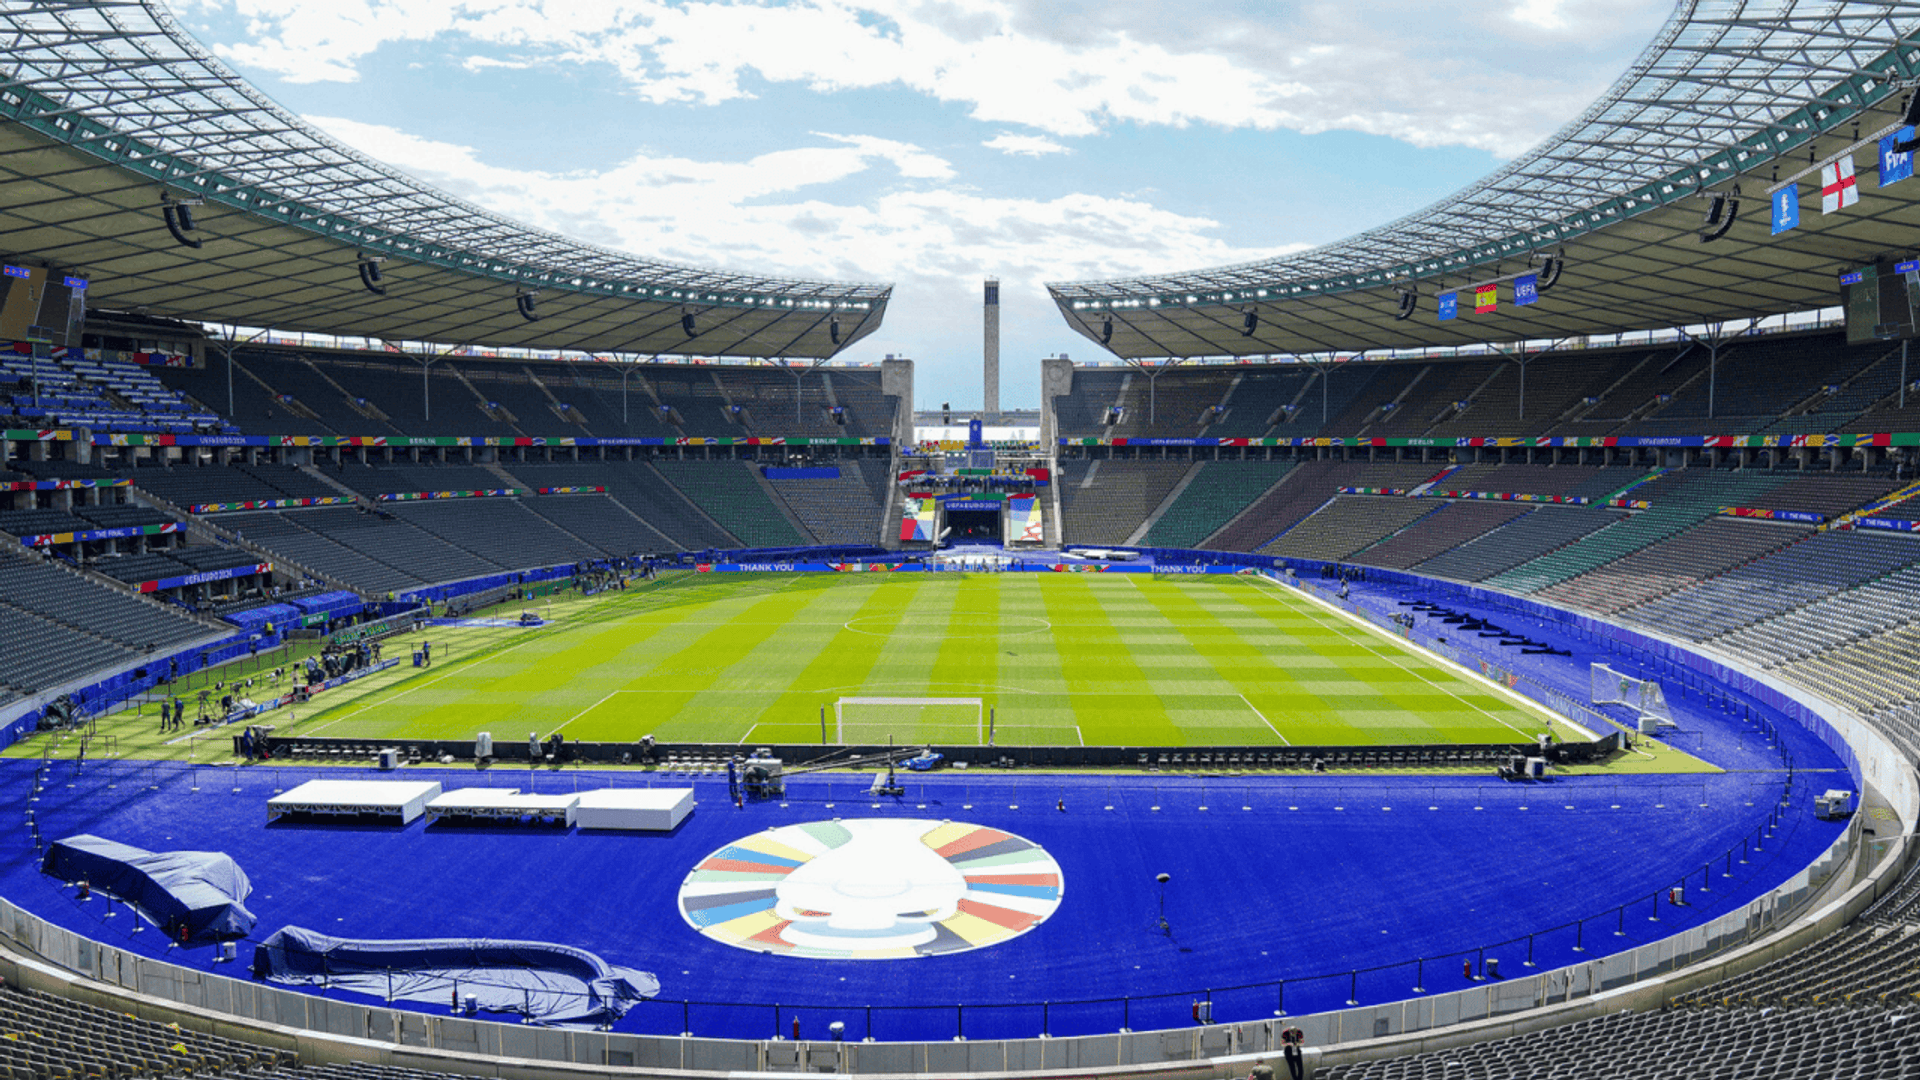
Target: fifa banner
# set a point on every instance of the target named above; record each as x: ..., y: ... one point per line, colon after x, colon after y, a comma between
x: 1892, y: 524
x: 203, y: 577
x: 593, y: 489
x: 919, y: 522
x: 44, y: 539
x: 1804, y: 516
x: 142, y: 439
x: 1509, y: 496
x: 1024, y: 524
x: 415, y: 496
x: 269, y: 504
x: 61, y: 485
x: 1728, y: 442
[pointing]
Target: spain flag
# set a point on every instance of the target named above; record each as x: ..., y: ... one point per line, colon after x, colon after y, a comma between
x: 1485, y: 298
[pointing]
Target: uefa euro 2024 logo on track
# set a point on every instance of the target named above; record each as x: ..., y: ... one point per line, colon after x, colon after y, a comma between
x: 872, y: 889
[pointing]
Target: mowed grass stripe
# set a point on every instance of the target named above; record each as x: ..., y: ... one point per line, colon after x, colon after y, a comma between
x: 1229, y: 658
x: 1456, y: 709
x: 1128, y: 659
x: 841, y: 667
x: 1113, y: 702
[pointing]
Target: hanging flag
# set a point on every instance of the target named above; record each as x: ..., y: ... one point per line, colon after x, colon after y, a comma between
x: 1526, y: 289
x: 1449, y: 305
x: 1786, y: 209
x: 1837, y: 187
x: 1485, y: 299
x: 1895, y: 167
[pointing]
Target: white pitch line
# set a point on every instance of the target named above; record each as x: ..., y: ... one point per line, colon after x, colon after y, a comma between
x: 583, y: 712
x: 1077, y: 735
x: 1269, y: 723
x: 389, y: 700
x: 1347, y: 620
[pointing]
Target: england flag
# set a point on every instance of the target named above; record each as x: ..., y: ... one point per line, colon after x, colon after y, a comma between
x: 1837, y: 188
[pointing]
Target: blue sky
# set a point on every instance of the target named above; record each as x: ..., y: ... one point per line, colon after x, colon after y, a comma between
x: 935, y: 144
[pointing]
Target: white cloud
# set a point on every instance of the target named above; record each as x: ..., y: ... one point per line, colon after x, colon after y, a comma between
x: 1497, y: 79
x: 1024, y: 145
x: 934, y: 241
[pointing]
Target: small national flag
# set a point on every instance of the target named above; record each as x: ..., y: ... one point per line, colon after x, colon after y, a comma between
x: 1526, y: 289
x: 1895, y: 167
x: 1786, y: 209
x: 1449, y: 303
x: 1837, y: 187
x: 1485, y: 299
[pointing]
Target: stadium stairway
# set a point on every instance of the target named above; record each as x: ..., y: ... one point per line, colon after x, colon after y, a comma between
x: 1210, y: 498
x: 1711, y: 547
x: 730, y: 493
x: 1348, y: 524
x: 1453, y: 524
x: 1539, y: 532
x: 1679, y: 501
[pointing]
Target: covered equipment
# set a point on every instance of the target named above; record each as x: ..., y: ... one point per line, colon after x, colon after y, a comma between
x: 545, y: 982
x: 201, y: 892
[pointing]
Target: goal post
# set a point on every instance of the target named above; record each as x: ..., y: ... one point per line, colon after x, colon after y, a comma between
x: 1645, y: 696
x: 869, y: 721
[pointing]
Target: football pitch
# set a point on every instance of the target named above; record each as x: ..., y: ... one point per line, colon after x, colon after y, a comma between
x: 1052, y: 659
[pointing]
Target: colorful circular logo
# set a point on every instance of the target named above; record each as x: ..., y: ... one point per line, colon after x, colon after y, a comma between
x: 872, y: 889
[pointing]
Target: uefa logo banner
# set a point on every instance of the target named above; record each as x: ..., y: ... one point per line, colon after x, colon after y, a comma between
x: 872, y: 889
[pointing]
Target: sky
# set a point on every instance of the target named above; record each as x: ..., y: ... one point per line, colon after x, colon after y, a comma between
x: 934, y: 144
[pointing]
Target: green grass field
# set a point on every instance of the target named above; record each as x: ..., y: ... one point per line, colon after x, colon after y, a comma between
x: 1061, y: 659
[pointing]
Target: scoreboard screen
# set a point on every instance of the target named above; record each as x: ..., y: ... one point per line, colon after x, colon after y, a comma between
x: 1881, y: 302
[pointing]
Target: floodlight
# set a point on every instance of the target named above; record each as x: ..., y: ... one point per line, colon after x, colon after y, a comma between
x: 1912, y: 117
x: 178, y: 214
x: 1550, y: 268
x: 370, y: 274
x: 1722, y: 208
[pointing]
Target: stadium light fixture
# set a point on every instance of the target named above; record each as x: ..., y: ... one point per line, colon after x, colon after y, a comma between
x: 1722, y: 208
x: 370, y: 274
x: 178, y: 214
x: 1550, y: 268
x: 523, y: 302
x: 1910, y: 118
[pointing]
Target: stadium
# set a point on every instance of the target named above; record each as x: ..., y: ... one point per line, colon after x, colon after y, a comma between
x: 435, y: 646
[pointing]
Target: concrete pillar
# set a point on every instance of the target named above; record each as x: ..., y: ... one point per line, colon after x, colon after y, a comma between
x: 990, y: 351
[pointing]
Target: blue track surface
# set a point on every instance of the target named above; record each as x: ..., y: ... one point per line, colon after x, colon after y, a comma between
x: 1276, y: 878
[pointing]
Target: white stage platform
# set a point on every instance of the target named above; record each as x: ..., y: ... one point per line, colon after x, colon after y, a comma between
x: 404, y: 799
x: 502, y: 804
x: 649, y: 809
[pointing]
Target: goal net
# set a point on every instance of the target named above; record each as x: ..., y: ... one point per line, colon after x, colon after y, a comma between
x: 1611, y: 687
x: 868, y: 721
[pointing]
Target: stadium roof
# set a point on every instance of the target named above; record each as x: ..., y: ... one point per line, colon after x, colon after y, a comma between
x: 1733, y: 95
x: 119, y: 110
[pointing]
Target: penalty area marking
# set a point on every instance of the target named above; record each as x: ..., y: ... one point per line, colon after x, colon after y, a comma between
x: 1345, y: 619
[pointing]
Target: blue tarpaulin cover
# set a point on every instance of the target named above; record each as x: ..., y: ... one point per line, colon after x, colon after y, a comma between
x: 547, y: 983
x: 202, y: 890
